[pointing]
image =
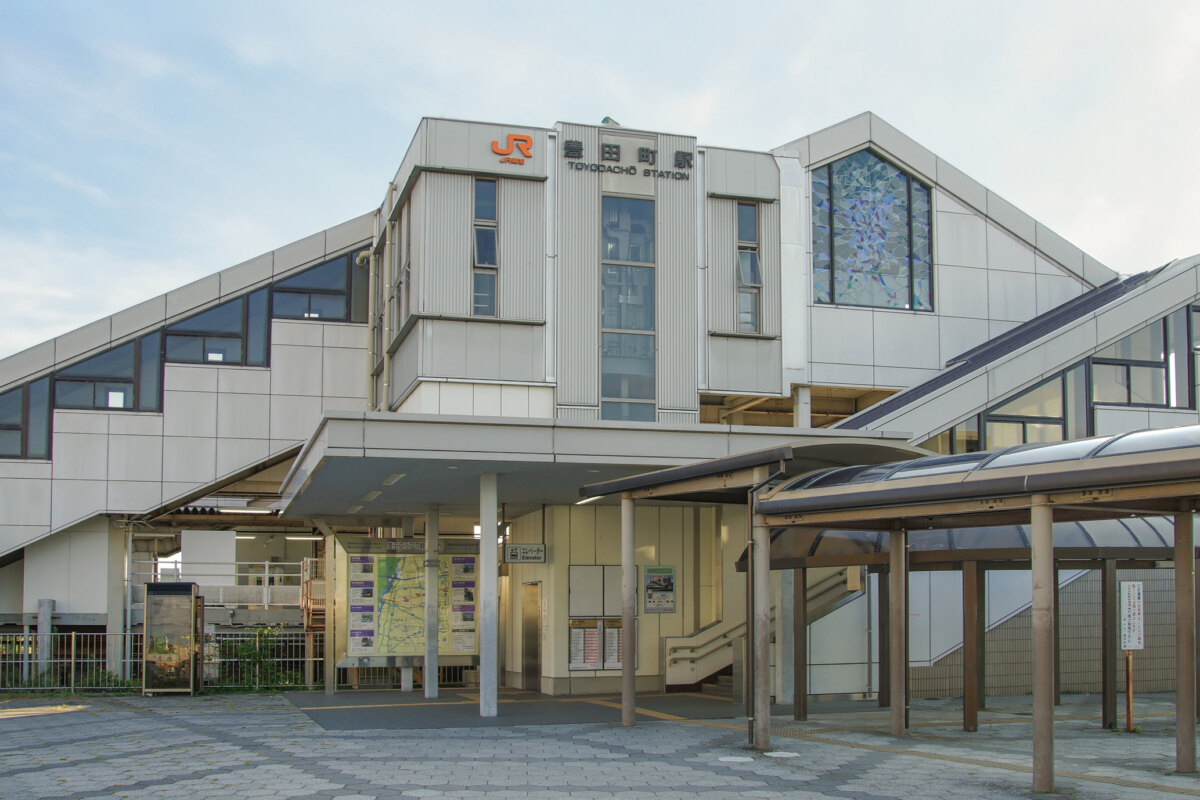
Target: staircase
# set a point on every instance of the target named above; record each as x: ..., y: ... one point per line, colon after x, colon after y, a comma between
x: 312, y: 593
x: 709, y: 651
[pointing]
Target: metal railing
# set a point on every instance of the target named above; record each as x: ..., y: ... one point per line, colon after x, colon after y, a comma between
x: 68, y: 662
x: 261, y: 584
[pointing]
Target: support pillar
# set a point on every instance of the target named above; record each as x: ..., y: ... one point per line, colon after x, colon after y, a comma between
x: 628, y: 618
x: 1042, y: 563
x: 1185, y: 643
x: 432, y: 564
x: 898, y: 630
x: 785, y: 610
x: 45, y: 641
x: 973, y: 631
x: 329, y: 663
x: 488, y: 598
x: 1109, y: 652
x: 883, y: 617
x: 800, y: 645
x: 762, y: 634
x: 1057, y: 639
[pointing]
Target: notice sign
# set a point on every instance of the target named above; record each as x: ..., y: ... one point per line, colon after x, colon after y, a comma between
x: 1132, y: 616
x: 525, y: 553
x: 659, y: 590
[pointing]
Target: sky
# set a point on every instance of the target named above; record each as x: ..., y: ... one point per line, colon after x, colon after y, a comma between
x: 146, y: 145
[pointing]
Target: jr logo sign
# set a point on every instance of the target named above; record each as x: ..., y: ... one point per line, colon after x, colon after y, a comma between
x: 523, y: 144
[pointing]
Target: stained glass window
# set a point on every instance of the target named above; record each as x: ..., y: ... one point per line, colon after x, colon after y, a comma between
x: 871, y: 234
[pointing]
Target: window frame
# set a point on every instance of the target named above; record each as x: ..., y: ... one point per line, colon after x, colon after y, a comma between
x: 243, y: 336
x: 479, y: 269
x: 609, y: 404
x: 26, y: 449
x: 742, y: 288
x: 347, y: 293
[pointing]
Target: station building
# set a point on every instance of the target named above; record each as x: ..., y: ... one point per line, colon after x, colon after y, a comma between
x: 530, y: 310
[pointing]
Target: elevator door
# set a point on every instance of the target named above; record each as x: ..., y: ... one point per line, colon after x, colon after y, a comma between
x: 531, y: 636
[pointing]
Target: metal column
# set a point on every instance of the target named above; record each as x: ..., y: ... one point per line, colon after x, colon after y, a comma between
x: 1042, y: 562
x: 1109, y: 651
x: 762, y: 634
x: 628, y: 621
x: 974, y: 625
x: 432, y: 563
x: 898, y: 630
x: 1185, y: 644
x: 800, y: 645
x: 488, y: 599
x: 329, y: 663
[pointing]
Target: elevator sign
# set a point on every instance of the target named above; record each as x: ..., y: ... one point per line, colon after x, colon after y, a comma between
x: 525, y: 554
x: 1132, y: 617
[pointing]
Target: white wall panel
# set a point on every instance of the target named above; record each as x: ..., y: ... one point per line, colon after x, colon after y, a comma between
x: 296, y: 370
x: 134, y: 458
x: 294, y: 417
x: 675, y: 287
x: 906, y: 339
x: 189, y: 414
x: 1011, y: 295
x: 189, y: 459
x: 721, y: 235
x: 344, y: 372
x: 133, y: 496
x: 73, y: 500
x: 1005, y: 251
x: 236, y: 454
x: 961, y: 292
x: 842, y: 335
x: 445, y: 264
x: 577, y: 351
x: 961, y: 240
x: 24, y: 502
x: 522, y: 279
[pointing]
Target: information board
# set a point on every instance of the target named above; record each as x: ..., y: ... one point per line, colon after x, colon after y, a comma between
x: 1132, y: 616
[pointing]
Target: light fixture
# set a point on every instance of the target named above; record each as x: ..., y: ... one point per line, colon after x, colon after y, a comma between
x: 393, y: 478
x: 451, y: 466
x: 369, y: 496
x: 353, y: 509
x: 477, y: 531
x: 587, y: 500
x: 245, y: 510
x: 303, y: 538
x: 244, y: 536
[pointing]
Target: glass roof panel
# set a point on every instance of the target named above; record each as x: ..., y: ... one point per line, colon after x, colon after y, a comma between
x: 1147, y: 441
x: 939, y: 465
x: 840, y: 476
x: 1045, y: 453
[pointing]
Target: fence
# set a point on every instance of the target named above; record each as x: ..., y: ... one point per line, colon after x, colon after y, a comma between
x: 262, y: 658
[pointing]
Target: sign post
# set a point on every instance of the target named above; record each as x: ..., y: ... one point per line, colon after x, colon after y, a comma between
x: 1132, y: 638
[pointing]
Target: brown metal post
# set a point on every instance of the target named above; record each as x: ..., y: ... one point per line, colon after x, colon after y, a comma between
x: 884, y: 637
x: 898, y: 624
x: 1108, y: 644
x: 971, y: 638
x: 1042, y: 563
x: 800, y: 644
x: 1185, y: 644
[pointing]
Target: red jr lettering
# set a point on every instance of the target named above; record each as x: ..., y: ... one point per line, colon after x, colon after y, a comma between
x: 522, y: 143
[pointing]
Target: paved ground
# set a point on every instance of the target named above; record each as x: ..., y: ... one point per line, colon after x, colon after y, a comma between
x: 249, y: 746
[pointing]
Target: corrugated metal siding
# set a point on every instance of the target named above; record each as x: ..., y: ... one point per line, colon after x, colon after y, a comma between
x: 679, y: 417
x: 522, y: 250
x: 768, y: 216
x: 722, y: 253
x: 445, y: 243
x: 577, y: 412
x: 675, y: 317
x: 578, y: 280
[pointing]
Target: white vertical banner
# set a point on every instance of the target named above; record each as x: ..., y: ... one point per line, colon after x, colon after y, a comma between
x: 1133, y: 635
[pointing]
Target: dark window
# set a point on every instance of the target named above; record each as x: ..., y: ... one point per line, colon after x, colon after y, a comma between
x: 871, y: 234
x: 1150, y: 367
x: 126, y: 378
x: 334, y: 291
x: 25, y: 421
x: 234, y: 332
x: 749, y: 276
x: 485, y: 250
x: 627, y: 294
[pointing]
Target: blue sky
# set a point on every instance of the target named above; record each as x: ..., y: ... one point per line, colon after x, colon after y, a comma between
x: 145, y: 145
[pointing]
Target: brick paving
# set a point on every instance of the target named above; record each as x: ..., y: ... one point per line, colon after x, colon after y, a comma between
x: 264, y: 746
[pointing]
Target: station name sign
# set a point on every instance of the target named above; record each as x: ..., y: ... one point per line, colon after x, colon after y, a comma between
x: 611, y: 160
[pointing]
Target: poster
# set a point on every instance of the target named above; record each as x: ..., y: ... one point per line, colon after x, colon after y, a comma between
x: 584, y: 644
x: 659, y: 591
x: 361, y: 617
x: 613, y: 653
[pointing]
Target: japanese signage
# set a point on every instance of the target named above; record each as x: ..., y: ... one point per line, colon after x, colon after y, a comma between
x: 525, y: 553
x: 595, y: 644
x: 629, y: 157
x: 659, y: 591
x: 1132, y: 616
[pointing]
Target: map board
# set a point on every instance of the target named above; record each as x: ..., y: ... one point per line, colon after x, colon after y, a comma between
x: 383, y: 595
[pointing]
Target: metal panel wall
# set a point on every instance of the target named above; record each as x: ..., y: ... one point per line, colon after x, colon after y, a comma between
x: 522, y: 250
x: 677, y: 272
x: 768, y: 250
x: 721, y: 256
x: 442, y: 251
x: 577, y: 307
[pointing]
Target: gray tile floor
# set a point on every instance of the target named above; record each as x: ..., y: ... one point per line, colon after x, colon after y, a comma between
x: 266, y: 746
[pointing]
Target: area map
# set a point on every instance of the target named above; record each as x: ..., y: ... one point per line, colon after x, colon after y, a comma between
x: 400, y: 605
